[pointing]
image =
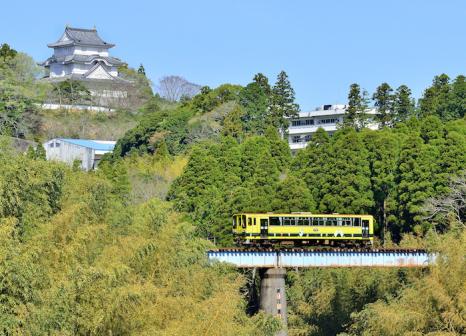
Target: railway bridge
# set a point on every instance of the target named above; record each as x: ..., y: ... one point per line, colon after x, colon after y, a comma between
x: 273, y: 264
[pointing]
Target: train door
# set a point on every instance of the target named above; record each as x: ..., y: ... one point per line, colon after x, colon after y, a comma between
x: 264, y: 228
x: 365, y: 228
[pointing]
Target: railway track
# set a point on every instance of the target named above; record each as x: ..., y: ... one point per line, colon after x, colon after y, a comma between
x: 320, y: 250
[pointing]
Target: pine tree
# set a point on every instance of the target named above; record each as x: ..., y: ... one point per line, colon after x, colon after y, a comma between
x: 232, y: 125
x: 383, y: 147
x: 282, y: 104
x: 255, y: 98
x: 414, y: 186
x: 403, y: 104
x: 436, y: 99
x: 292, y: 195
x: 312, y: 164
x: 279, y: 148
x: 354, y: 107
x: 458, y: 98
x: 141, y: 70
x: 362, y: 117
x: 383, y: 100
x: 347, y: 185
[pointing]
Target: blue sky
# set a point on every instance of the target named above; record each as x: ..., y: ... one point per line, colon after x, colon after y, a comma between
x: 324, y: 46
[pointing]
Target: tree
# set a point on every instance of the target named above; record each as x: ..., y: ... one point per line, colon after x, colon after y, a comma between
x: 141, y: 70
x: 282, y: 103
x: 458, y: 98
x: 383, y: 101
x: 356, y: 108
x: 6, y: 53
x: 72, y: 92
x: 173, y: 88
x: 232, y: 125
x: 383, y: 147
x: 313, y: 163
x: 255, y: 98
x: 19, y: 93
x: 292, y: 195
x: 436, y: 99
x: 403, y: 104
x: 414, y: 185
x: 347, y: 184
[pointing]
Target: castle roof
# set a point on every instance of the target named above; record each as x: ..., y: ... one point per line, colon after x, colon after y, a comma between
x: 85, y: 59
x: 80, y: 36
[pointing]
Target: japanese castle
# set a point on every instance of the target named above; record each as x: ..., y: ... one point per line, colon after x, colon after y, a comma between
x: 80, y: 54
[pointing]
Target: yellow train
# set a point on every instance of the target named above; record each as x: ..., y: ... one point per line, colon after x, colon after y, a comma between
x: 253, y: 229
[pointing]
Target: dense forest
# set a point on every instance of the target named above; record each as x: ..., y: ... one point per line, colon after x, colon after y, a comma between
x: 121, y: 251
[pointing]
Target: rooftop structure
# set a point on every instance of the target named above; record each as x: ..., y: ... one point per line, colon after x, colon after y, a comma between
x: 82, y: 54
x: 87, y: 152
x: 327, y: 117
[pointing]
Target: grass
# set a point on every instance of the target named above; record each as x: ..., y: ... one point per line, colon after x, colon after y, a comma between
x: 85, y: 124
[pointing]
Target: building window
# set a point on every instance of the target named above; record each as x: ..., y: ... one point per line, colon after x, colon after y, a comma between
x: 296, y: 138
x: 328, y: 121
x: 307, y: 138
x: 302, y: 122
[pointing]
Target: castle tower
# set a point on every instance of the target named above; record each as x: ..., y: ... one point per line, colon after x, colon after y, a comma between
x: 81, y: 54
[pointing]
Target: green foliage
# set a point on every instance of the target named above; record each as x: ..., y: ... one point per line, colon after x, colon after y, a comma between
x: 383, y: 101
x: 433, y: 305
x: 403, y: 104
x: 255, y: 99
x: 347, y: 187
x: 141, y: 70
x: 282, y: 103
x: 227, y: 177
x: 208, y: 99
x: 71, y: 92
x: 444, y: 99
x: 355, y: 116
x: 6, y: 53
x: 91, y: 264
x: 292, y: 195
x: 321, y: 301
x: 232, y: 125
x: 19, y: 91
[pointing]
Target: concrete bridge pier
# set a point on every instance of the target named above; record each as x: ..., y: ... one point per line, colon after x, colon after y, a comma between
x: 272, y: 295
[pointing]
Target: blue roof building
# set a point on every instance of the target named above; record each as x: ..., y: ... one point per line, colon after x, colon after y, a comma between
x: 87, y: 152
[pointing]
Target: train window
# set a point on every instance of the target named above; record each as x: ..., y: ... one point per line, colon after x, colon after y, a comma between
x: 254, y: 221
x: 331, y: 222
x: 300, y: 221
x: 357, y: 222
x: 249, y: 221
x: 274, y: 221
x: 243, y: 221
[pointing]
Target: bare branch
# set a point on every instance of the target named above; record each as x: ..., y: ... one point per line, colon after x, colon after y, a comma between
x: 173, y: 88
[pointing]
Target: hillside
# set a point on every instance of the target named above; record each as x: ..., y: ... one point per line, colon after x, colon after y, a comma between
x: 121, y: 250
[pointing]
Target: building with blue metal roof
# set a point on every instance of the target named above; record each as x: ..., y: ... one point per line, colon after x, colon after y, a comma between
x: 87, y: 152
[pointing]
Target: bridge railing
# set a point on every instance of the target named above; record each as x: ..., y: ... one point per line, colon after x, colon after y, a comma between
x: 322, y: 258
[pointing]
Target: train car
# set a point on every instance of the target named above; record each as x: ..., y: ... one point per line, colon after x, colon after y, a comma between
x: 299, y: 229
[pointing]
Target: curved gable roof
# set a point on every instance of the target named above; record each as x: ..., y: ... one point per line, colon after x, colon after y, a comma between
x: 80, y: 36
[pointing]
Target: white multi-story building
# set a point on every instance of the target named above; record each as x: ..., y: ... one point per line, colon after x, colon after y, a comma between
x: 82, y: 54
x: 327, y: 117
